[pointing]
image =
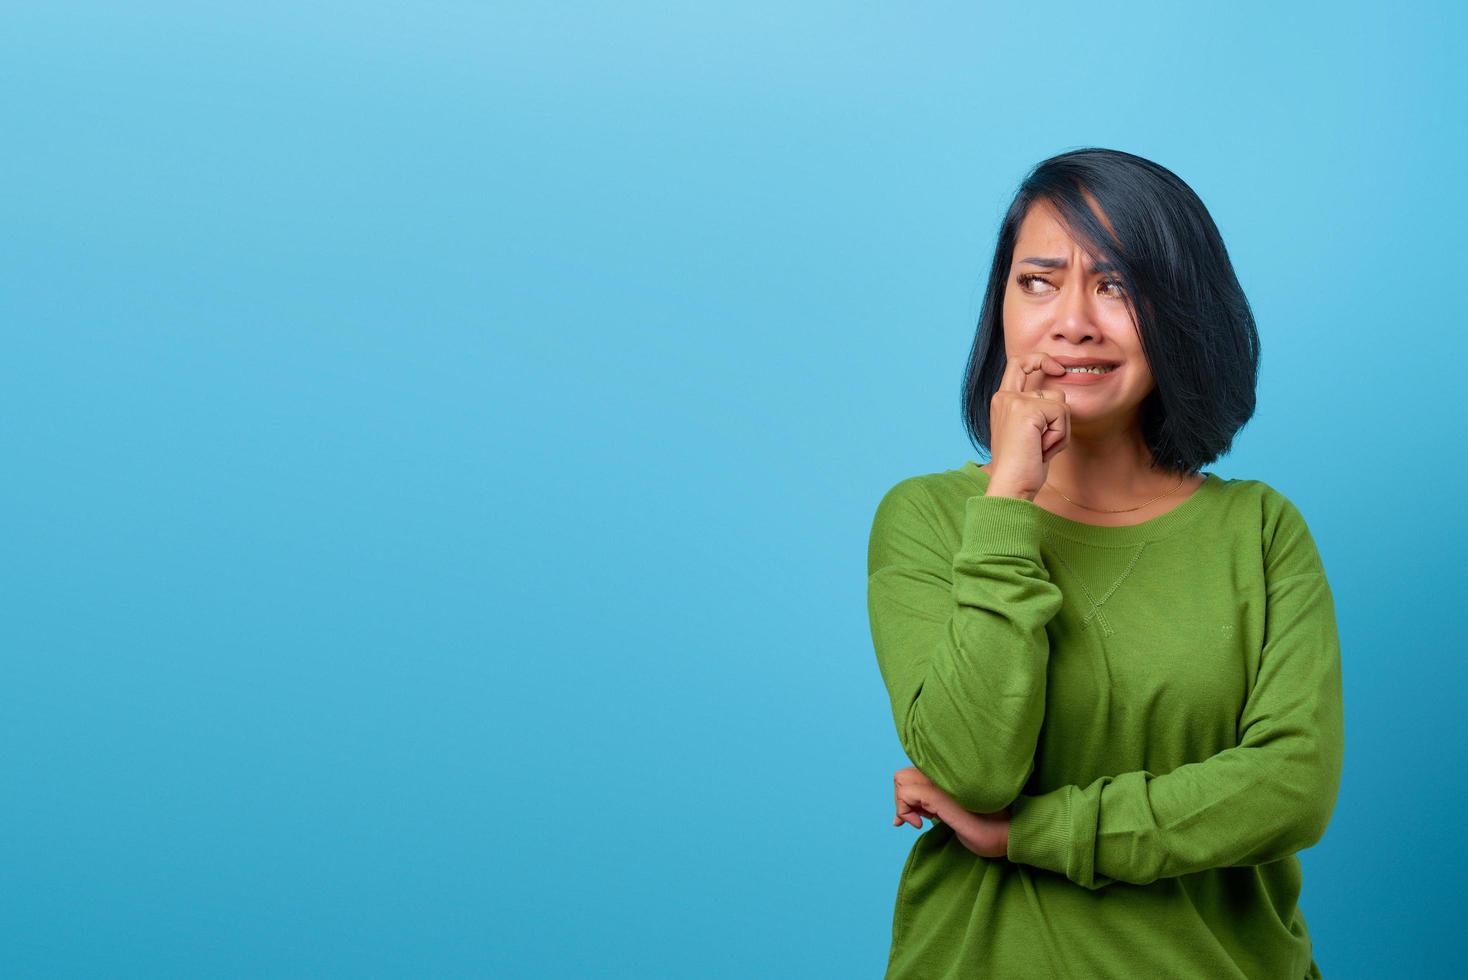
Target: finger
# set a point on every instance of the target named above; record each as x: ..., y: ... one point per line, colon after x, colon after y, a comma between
x: 1013, y: 373
x: 915, y: 817
x: 1065, y: 440
x: 911, y: 776
x: 1057, y: 428
x: 1017, y: 371
x: 1047, y: 455
x: 909, y: 809
x: 1035, y: 367
x: 1028, y: 381
x: 1063, y: 423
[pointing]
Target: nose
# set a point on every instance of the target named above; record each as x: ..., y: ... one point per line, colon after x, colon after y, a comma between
x: 1074, y: 320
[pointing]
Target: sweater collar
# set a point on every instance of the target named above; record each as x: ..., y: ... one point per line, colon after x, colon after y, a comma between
x: 1099, y: 534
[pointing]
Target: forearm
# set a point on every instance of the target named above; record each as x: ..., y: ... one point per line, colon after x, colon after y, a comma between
x: 966, y: 664
x: 1259, y: 801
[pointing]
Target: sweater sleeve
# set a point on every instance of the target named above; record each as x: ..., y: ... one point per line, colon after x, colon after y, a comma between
x: 960, y: 640
x: 1264, y: 799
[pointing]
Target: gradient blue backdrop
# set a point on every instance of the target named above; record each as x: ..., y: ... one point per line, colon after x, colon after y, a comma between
x: 440, y: 442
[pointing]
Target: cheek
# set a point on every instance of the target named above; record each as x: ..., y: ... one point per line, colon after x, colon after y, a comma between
x: 1131, y: 348
x: 1020, y: 326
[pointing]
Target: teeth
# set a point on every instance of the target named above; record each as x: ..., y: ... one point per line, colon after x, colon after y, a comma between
x: 1089, y: 369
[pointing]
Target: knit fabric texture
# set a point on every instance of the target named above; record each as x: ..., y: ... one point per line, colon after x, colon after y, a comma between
x: 1158, y: 705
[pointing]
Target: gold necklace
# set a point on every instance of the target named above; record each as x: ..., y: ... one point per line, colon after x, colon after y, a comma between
x: 1123, y: 510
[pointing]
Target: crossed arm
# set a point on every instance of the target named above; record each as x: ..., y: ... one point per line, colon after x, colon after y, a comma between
x: 963, y: 651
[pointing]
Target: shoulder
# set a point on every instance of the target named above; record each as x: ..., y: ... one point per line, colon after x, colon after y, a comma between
x: 936, y: 497
x: 1285, y: 538
x: 905, y: 503
x: 1275, y: 508
x: 922, y: 515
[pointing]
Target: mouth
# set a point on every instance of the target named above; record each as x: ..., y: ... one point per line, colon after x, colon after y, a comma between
x: 1085, y: 373
x: 1084, y: 367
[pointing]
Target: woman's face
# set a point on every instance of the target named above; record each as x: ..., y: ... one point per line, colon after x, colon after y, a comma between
x: 1057, y: 304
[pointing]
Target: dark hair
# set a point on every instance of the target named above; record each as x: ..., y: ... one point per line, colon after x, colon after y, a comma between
x: 1194, y: 322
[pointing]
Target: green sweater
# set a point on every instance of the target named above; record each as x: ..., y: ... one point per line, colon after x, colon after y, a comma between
x: 1159, y: 705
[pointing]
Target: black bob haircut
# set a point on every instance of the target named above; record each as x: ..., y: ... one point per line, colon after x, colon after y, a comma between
x: 1194, y: 322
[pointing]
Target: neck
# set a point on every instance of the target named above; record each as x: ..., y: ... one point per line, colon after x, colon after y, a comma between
x: 1104, y: 468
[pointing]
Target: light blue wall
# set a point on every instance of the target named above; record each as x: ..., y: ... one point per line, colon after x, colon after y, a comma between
x: 440, y: 443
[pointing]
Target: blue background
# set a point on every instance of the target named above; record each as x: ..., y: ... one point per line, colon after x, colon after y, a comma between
x: 440, y: 443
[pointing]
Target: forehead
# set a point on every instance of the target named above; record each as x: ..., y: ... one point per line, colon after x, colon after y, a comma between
x: 1043, y: 233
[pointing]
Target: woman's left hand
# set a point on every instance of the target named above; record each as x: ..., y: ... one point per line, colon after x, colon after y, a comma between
x: 986, y: 834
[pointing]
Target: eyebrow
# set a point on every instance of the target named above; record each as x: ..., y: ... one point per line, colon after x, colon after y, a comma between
x: 1045, y: 263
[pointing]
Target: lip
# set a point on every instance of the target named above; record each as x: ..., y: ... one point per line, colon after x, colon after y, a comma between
x: 1081, y: 379
x: 1081, y: 361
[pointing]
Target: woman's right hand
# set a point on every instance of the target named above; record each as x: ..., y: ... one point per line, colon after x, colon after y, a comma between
x: 1025, y: 431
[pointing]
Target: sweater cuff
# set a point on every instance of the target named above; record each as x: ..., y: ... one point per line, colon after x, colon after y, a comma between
x: 1001, y: 526
x: 1039, y: 830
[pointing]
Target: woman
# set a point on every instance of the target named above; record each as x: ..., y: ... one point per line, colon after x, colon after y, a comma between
x: 1117, y: 676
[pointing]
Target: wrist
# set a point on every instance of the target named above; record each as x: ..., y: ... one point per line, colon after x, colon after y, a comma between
x: 1003, y: 490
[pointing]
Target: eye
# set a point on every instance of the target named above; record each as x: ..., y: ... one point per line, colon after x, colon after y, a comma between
x: 1023, y: 279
